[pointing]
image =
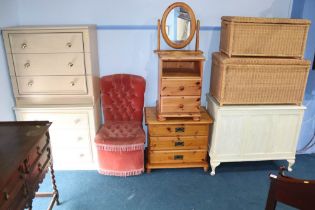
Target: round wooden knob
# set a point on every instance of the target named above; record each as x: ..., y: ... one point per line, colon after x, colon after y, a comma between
x: 181, y: 106
x: 181, y: 88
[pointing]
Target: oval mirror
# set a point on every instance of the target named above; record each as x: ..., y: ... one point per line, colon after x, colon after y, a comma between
x: 178, y: 25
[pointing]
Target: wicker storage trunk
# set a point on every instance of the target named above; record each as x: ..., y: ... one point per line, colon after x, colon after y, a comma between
x: 266, y: 37
x: 258, y: 80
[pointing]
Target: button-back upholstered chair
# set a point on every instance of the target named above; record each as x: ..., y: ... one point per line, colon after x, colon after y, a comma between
x: 291, y: 191
x: 120, y: 141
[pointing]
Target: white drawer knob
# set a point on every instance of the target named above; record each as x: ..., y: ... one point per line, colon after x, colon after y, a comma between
x: 81, y: 155
x: 27, y: 65
x: 70, y: 64
x: 80, y: 138
x: 77, y: 121
x: 30, y: 83
x: 72, y: 83
x: 69, y: 44
x: 24, y: 45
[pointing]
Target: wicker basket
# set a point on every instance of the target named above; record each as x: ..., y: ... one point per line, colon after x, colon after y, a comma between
x: 265, y: 37
x: 258, y: 80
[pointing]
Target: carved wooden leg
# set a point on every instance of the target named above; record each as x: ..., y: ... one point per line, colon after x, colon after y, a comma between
x: 53, y: 180
x: 213, y: 166
x: 206, y: 168
x: 291, y: 163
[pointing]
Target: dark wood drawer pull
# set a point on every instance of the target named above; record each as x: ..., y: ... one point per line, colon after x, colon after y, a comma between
x: 178, y: 157
x: 179, y: 129
x: 181, y: 88
x: 179, y: 144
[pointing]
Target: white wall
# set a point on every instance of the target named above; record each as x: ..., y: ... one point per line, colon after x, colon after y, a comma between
x: 8, y: 17
x: 131, y: 50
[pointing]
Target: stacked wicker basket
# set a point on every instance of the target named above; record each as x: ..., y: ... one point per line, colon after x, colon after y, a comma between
x: 257, y: 85
x: 261, y: 61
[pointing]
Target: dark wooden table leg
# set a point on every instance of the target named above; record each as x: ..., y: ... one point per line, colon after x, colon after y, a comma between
x: 53, y: 180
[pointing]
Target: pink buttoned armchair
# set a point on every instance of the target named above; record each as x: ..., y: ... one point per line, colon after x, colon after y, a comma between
x: 120, y: 141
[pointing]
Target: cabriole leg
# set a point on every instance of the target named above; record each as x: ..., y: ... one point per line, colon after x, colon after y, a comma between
x: 291, y: 163
x: 213, y: 164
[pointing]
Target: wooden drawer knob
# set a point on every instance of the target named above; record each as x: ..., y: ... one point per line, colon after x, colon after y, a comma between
x: 181, y: 106
x: 181, y: 88
x: 6, y: 195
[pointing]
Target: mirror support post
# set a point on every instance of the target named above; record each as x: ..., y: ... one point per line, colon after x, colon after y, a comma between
x: 159, y: 35
x: 197, y: 35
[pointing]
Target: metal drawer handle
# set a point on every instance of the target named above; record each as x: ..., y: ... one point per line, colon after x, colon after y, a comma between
x: 69, y: 44
x: 30, y: 83
x: 6, y: 196
x: 179, y: 129
x: 70, y: 64
x: 179, y: 143
x: 72, y: 83
x: 24, y: 45
x: 38, y: 150
x: 178, y: 157
x: 27, y: 65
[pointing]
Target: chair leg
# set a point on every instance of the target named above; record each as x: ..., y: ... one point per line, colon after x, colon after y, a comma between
x: 271, y: 200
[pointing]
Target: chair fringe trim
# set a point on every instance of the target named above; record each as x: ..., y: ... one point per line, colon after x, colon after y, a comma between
x: 120, y: 148
x: 121, y: 173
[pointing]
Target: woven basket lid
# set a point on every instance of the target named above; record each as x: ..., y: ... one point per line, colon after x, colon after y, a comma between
x: 239, y: 19
x: 222, y: 58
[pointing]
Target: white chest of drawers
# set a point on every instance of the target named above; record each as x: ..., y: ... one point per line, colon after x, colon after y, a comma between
x: 53, y: 65
x: 72, y: 133
x: 252, y: 133
x: 55, y: 76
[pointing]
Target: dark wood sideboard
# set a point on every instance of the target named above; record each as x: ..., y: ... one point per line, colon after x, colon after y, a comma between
x: 25, y: 157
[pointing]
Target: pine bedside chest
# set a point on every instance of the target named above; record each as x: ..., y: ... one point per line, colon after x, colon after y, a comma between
x: 177, y: 143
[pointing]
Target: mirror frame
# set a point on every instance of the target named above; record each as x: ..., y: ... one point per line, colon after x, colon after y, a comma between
x: 192, y: 25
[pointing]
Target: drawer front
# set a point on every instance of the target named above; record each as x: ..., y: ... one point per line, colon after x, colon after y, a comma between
x: 179, y: 130
x: 180, y: 104
x: 46, y: 43
x: 180, y: 156
x: 13, y: 187
x: 181, y: 87
x: 37, y: 171
x: 52, y: 85
x: 38, y: 150
x: 70, y: 138
x: 49, y: 64
x: 178, y: 143
x: 60, y: 120
x: 63, y: 156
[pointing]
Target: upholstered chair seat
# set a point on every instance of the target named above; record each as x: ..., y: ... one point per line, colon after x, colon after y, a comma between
x: 120, y: 141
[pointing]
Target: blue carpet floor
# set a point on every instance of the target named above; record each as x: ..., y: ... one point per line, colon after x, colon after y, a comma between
x: 235, y: 186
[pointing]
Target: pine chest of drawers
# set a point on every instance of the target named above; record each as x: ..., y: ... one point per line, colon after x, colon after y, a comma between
x: 180, y: 82
x: 177, y: 143
x: 53, y: 65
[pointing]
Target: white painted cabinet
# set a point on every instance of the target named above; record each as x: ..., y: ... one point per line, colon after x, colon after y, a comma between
x: 72, y: 133
x: 55, y: 76
x: 253, y: 133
